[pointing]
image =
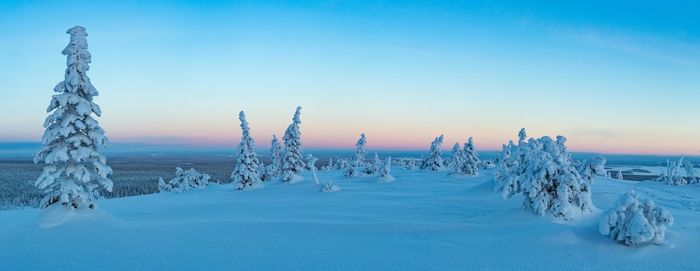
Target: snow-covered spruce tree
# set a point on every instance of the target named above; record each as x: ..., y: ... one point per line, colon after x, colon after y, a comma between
x: 273, y: 169
x: 75, y: 169
x: 522, y: 135
x: 542, y: 171
x: 672, y: 174
x: 635, y: 222
x: 505, y: 173
x: 592, y: 167
x: 551, y: 184
x: 385, y: 171
x: 457, y: 160
x: 360, y: 153
x: 434, y: 161
x: 292, y: 162
x: 311, y: 162
x: 689, y: 172
x: 184, y: 180
x: 470, y: 162
x: 247, y: 171
x: 373, y: 167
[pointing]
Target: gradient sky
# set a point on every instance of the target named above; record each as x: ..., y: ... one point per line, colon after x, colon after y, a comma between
x: 620, y: 77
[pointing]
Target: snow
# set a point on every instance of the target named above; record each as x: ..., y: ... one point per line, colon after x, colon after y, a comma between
x: 422, y: 221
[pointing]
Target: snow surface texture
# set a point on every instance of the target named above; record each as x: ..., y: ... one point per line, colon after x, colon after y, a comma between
x: 246, y: 174
x: 542, y: 171
x: 293, y: 159
x: 184, y: 180
x: 75, y: 170
x: 422, y: 221
x: 635, y: 222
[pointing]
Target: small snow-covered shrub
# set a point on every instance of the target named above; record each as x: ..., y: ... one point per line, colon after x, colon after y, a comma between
x: 542, y: 170
x: 373, y: 166
x: 342, y: 164
x: 184, y: 180
x: 690, y: 172
x: 635, y: 222
x: 385, y: 172
x: 672, y: 175
x: 434, y: 160
x: 354, y: 170
x: 591, y: 168
x: 409, y: 163
x: 329, y: 166
x: 330, y: 187
x: 311, y: 163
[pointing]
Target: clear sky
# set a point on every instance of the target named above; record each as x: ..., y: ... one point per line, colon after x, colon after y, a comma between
x: 612, y: 76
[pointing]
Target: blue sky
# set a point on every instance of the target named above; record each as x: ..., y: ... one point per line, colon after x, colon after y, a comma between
x: 620, y: 77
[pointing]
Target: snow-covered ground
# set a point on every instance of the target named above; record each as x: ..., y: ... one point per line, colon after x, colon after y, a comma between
x: 422, y: 221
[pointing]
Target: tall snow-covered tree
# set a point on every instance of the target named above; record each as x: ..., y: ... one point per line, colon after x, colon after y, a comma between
x: 293, y: 161
x: 360, y: 153
x: 470, y: 162
x: 635, y: 222
x: 273, y: 170
x: 75, y: 169
x: 434, y: 161
x: 247, y: 171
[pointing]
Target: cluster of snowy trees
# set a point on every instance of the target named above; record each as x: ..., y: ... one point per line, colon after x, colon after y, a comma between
x: 672, y: 174
x: 361, y: 167
x: 184, y: 180
x: 543, y: 172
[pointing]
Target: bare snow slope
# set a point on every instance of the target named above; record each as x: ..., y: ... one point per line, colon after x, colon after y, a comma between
x: 422, y: 221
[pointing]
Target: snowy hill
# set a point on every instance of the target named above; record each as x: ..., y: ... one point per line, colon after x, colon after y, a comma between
x: 422, y: 221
